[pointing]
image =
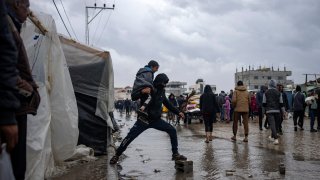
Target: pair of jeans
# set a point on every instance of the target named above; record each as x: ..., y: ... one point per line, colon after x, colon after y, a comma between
x: 273, y: 119
x: 300, y: 115
x: 313, y: 117
x: 222, y: 114
x: 139, y: 127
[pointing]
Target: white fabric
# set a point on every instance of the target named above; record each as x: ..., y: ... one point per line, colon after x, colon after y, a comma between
x: 6, y: 172
x: 53, y: 132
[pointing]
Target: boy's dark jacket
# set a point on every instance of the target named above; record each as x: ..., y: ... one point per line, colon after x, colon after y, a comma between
x: 154, y: 109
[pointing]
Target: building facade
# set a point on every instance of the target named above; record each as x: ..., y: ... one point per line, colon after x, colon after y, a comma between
x: 176, y: 87
x: 122, y: 93
x: 254, y: 79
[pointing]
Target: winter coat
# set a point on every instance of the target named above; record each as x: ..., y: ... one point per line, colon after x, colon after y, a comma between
x: 158, y: 97
x: 241, y: 99
x: 253, y: 105
x: 208, y: 103
x: 29, y: 105
x: 298, y: 101
x: 272, y: 101
x: 9, y: 102
x: 144, y: 78
x: 227, y: 104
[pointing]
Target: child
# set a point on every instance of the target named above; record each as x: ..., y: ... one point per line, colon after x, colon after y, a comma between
x: 144, y: 80
x: 227, y: 109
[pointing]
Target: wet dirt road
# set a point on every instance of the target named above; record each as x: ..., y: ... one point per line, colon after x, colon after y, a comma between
x: 149, y: 156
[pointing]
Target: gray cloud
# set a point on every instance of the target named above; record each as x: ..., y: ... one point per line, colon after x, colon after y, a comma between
x: 202, y: 39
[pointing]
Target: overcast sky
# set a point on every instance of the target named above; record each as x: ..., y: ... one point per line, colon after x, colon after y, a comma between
x: 194, y: 39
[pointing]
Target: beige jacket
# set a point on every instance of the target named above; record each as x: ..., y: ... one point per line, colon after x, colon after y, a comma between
x: 241, y: 99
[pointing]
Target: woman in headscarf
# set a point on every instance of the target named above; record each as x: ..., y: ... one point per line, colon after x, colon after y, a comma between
x: 209, y: 107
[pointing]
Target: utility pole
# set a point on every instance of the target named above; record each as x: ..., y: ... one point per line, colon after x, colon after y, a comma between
x: 89, y: 21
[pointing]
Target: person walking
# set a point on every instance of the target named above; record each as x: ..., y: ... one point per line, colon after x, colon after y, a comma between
x: 231, y: 109
x: 227, y: 107
x: 253, y: 105
x: 174, y: 103
x: 259, y: 99
x: 298, y: 108
x: 208, y: 107
x: 221, y: 101
x: 273, y: 102
x: 154, y: 120
x: 127, y: 105
x: 241, y: 103
x: 286, y: 107
x: 313, y: 111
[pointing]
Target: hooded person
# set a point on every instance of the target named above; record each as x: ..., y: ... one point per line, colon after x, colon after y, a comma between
x: 227, y: 108
x: 273, y: 102
x: 259, y: 98
x: 298, y: 108
x: 241, y: 103
x: 154, y: 120
x: 208, y: 107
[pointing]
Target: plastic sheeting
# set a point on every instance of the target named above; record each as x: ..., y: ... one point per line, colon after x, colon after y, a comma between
x: 92, y: 75
x: 53, y: 132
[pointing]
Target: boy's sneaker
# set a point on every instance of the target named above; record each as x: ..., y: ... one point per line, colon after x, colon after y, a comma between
x: 276, y: 142
x: 270, y: 138
x: 177, y: 157
x: 295, y: 128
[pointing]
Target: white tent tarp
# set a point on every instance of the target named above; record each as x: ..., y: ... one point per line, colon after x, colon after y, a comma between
x: 53, y: 132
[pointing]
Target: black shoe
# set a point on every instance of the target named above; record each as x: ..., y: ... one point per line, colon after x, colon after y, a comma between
x: 313, y: 130
x: 265, y: 126
x: 177, y: 157
x: 295, y: 129
x: 261, y: 129
x: 301, y: 129
x: 114, y: 159
x: 318, y: 128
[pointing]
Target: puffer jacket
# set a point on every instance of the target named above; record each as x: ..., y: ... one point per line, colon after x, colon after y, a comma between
x: 241, y: 99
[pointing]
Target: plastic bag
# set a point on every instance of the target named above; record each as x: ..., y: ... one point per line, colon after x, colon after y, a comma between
x: 6, y: 172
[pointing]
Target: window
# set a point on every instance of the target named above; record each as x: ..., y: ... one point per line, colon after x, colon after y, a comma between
x: 269, y: 77
x: 256, y: 77
x: 280, y: 78
x: 256, y: 87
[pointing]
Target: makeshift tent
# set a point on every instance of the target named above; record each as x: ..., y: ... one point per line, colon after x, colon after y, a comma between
x: 92, y: 78
x: 53, y: 133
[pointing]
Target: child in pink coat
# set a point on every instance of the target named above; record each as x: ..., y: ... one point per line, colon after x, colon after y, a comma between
x: 227, y: 108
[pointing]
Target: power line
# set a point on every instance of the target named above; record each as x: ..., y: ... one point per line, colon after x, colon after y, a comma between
x: 94, y: 34
x: 68, y: 20
x: 104, y: 27
x: 61, y: 18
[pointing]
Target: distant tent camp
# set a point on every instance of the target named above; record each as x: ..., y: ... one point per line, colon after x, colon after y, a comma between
x: 92, y: 78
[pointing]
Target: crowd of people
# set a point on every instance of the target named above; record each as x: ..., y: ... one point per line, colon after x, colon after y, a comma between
x: 270, y: 103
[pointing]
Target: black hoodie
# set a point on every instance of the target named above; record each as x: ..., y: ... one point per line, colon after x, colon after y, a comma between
x: 208, y: 103
x: 159, y: 98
